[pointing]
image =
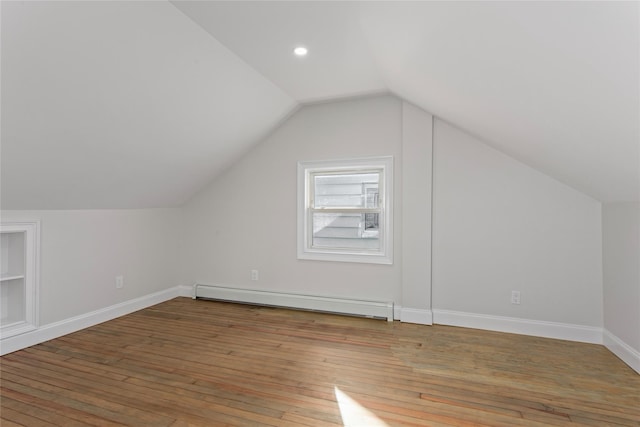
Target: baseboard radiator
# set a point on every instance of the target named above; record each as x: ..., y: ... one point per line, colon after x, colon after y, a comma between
x: 353, y: 307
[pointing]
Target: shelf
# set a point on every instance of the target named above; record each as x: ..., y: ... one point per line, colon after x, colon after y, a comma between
x: 19, y: 254
x: 8, y: 278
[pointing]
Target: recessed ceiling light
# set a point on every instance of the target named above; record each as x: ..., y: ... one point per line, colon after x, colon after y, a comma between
x: 300, y: 51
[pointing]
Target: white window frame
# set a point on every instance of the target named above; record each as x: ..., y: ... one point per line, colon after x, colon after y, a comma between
x: 306, y: 171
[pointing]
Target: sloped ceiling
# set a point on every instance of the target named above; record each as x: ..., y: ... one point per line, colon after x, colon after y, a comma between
x: 139, y: 104
x: 121, y: 105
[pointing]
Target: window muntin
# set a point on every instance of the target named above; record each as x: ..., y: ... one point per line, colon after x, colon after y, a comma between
x: 343, y: 211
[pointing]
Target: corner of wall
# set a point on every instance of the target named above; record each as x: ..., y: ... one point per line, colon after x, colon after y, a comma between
x: 625, y: 352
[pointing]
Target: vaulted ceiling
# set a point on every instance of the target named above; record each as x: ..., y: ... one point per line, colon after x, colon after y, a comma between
x: 140, y: 104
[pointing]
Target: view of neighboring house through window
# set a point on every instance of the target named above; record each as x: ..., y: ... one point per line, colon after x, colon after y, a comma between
x: 342, y: 211
x: 345, y: 210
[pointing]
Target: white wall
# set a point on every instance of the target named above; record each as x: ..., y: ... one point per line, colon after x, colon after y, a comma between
x: 499, y: 226
x: 417, y: 148
x: 246, y: 219
x: 82, y: 251
x: 621, y: 264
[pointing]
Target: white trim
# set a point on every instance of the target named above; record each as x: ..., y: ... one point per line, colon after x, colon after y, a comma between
x: 397, y: 312
x: 412, y: 315
x: 73, y: 324
x: 31, y: 274
x: 369, y: 308
x: 305, y: 170
x: 416, y: 315
x: 538, y: 328
x: 624, y: 351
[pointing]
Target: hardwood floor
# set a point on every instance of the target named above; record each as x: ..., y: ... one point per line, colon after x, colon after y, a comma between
x: 187, y: 362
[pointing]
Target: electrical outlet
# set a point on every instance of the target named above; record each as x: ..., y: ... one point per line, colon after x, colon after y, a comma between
x: 119, y: 282
x: 254, y: 274
x: 515, y: 297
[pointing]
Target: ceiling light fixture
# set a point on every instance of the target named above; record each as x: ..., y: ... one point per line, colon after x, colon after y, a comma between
x: 300, y: 51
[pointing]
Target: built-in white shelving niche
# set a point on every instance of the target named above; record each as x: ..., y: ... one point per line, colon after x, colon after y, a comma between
x: 19, y: 277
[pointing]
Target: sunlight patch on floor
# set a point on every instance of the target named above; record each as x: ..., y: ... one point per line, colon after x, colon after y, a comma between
x: 354, y: 414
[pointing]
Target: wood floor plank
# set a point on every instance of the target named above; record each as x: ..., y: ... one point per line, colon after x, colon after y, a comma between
x: 22, y: 418
x: 58, y: 407
x: 43, y: 414
x: 200, y: 363
x: 156, y: 408
x: 94, y: 404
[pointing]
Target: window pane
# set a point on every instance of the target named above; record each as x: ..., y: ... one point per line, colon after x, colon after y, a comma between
x: 346, y: 231
x: 355, y: 190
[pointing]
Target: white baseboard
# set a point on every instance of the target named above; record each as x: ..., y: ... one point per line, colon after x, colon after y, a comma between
x: 624, y: 351
x: 73, y: 324
x: 397, y: 312
x: 562, y: 331
x: 415, y: 315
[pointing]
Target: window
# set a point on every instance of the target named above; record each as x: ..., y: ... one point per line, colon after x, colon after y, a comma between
x: 344, y: 210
